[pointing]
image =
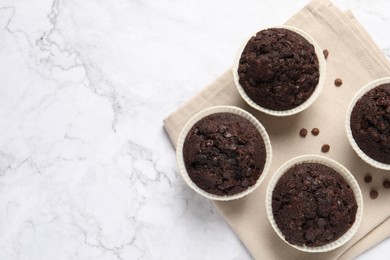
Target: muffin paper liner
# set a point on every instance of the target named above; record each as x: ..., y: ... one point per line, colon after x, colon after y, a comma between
x: 343, y: 172
x: 355, y: 99
x: 304, y: 105
x: 222, y: 109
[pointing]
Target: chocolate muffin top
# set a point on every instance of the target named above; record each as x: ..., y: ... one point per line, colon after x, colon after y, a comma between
x: 313, y: 205
x: 224, y: 154
x: 278, y: 69
x: 370, y: 123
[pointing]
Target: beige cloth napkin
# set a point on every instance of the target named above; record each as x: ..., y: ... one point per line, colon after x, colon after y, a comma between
x: 356, y: 60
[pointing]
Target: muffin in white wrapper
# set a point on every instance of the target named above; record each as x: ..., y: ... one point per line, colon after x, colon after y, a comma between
x: 312, y: 185
x: 219, y: 159
x: 367, y: 123
x: 290, y: 57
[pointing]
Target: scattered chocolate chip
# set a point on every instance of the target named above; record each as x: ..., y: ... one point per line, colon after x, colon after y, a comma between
x: 374, y: 194
x: 326, y: 53
x: 368, y: 179
x: 325, y: 148
x: 386, y: 184
x: 303, y: 132
x: 315, y: 131
x: 338, y: 82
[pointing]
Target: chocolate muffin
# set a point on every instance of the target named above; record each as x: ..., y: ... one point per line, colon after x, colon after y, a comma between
x: 313, y: 205
x: 224, y: 154
x: 370, y: 123
x: 278, y: 69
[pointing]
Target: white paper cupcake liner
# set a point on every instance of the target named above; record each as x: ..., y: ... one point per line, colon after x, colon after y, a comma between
x: 304, y: 105
x: 355, y: 99
x: 343, y: 172
x: 222, y: 109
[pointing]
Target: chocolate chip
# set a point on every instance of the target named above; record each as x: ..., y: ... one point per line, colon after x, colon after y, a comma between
x: 368, y: 179
x: 321, y: 222
x: 227, y: 135
x: 326, y: 53
x: 303, y: 132
x: 245, y: 183
x: 226, y: 175
x: 215, y: 161
x: 264, y: 60
x: 233, y: 147
x: 309, y: 235
x: 209, y: 142
x: 222, y: 128
x: 364, y: 124
x: 374, y: 194
x: 233, y: 161
x: 252, y: 81
x: 201, y: 158
x: 325, y: 148
x: 226, y: 185
x: 386, y: 184
x: 330, y: 236
x: 315, y: 131
x: 338, y: 82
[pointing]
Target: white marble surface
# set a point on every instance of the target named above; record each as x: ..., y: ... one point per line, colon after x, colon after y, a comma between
x: 86, y: 169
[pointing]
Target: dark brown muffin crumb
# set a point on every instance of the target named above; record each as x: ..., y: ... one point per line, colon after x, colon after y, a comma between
x: 338, y: 82
x: 278, y: 69
x: 325, y: 148
x: 224, y: 154
x: 315, y: 131
x: 303, y: 132
x: 370, y: 123
x: 326, y: 53
x: 313, y: 205
x: 386, y: 184
x: 368, y: 179
x: 374, y: 194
